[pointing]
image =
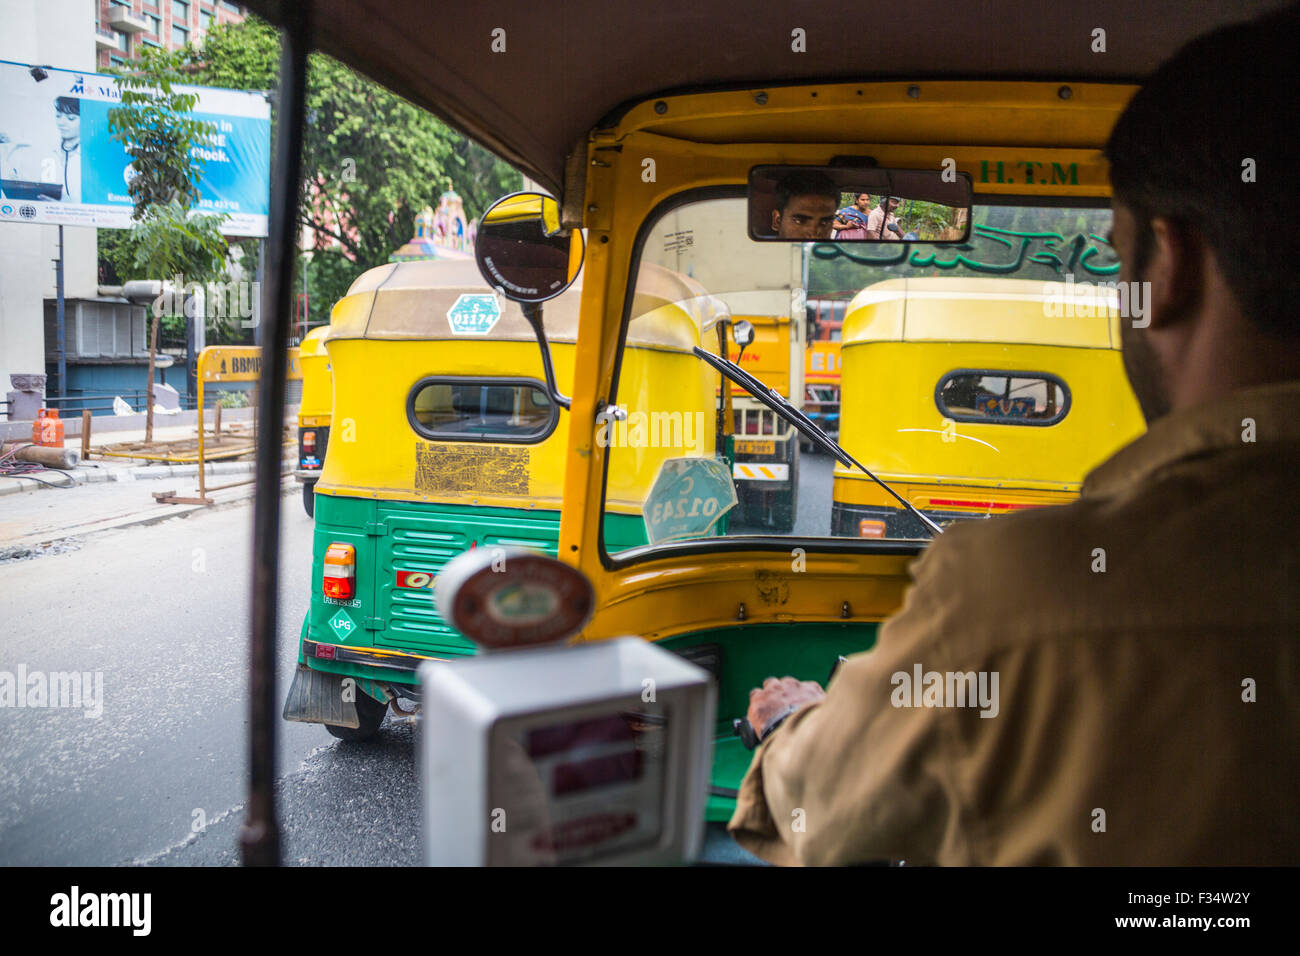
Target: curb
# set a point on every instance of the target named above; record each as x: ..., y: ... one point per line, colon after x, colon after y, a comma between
x: 94, y: 474
x: 38, y: 548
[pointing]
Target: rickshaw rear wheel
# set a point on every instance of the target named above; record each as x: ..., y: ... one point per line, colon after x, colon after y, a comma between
x: 309, y: 498
x: 370, y: 711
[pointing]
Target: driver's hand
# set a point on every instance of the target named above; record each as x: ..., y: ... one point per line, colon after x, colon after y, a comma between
x: 775, y: 697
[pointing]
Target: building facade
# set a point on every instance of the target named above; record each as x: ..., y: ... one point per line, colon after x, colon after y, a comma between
x: 123, y: 27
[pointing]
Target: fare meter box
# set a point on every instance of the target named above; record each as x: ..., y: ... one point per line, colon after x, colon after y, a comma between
x: 591, y: 754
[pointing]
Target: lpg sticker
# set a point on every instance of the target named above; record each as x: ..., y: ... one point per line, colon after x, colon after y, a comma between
x: 474, y: 314
x: 342, y: 625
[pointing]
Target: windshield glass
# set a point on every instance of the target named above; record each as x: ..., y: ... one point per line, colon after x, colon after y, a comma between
x: 926, y: 363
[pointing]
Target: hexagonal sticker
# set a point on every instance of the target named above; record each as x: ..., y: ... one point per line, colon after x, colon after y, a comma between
x: 474, y: 314
x: 689, y: 496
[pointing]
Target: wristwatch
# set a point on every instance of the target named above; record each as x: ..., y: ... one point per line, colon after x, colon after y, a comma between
x: 745, y: 730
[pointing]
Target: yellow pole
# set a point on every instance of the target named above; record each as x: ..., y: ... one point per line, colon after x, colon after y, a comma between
x: 201, y: 376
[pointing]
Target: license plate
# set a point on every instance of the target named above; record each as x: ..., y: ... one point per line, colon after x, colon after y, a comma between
x: 748, y: 446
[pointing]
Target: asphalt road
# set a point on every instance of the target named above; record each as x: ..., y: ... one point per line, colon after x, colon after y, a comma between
x: 158, y: 778
x: 812, y: 517
x: 161, y: 612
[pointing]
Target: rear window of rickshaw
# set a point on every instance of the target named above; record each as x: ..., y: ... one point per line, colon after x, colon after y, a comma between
x: 991, y: 397
x: 488, y: 410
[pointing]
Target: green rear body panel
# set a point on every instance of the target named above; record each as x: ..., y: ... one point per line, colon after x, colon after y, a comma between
x: 393, y: 536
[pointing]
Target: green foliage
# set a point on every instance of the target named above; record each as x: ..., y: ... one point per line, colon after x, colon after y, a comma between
x: 232, y: 399
x: 371, y: 160
x: 156, y: 126
x: 329, y: 273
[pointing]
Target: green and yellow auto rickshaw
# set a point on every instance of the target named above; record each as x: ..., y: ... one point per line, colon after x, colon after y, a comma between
x: 313, y: 414
x: 449, y: 435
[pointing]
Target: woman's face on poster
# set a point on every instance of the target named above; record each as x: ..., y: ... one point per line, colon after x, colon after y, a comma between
x: 69, y: 124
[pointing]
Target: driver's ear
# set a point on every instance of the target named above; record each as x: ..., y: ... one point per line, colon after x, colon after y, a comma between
x: 1176, y: 269
x: 776, y: 220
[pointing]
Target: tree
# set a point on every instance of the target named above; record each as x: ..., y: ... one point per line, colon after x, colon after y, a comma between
x: 156, y: 126
x: 371, y: 160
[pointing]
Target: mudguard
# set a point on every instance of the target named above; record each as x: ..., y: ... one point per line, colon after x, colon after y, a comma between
x: 316, y: 697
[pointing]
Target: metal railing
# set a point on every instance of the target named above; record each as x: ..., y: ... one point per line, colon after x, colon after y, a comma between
x: 100, y: 402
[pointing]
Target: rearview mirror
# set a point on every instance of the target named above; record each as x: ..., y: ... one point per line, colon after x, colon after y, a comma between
x: 851, y: 204
x: 743, y: 332
x: 522, y: 250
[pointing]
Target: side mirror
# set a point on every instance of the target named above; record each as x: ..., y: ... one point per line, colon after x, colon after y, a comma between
x: 743, y: 332
x: 522, y: 252
x: 521, y: 249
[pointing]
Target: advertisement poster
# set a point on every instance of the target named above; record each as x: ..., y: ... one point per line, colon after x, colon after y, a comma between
x: 60, y: 165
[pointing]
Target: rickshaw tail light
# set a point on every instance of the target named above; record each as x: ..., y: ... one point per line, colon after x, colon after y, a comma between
x: 868, y: 528
x: 340, y: 574
x: 309, y: 441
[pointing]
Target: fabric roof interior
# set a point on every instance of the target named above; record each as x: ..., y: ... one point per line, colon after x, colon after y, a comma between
x: 567, y: 64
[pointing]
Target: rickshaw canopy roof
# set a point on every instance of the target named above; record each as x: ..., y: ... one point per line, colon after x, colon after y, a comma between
x: 1017, y: 312
x: 565, y: 66
x: 411, y: 300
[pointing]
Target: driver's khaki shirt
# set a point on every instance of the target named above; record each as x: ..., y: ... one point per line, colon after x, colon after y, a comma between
x: 1147, y: 713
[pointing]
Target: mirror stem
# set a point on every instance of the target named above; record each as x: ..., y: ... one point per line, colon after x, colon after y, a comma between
x: 533, y: 313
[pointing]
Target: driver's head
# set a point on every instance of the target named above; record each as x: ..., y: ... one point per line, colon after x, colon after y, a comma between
x: 1208, y: 226
x: 805, y: 205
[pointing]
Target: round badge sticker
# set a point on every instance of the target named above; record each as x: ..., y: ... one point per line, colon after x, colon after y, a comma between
x: 504, y: 598
x: 522, y: 604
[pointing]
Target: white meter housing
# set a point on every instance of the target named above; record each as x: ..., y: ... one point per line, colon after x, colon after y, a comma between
x: 591, y: 754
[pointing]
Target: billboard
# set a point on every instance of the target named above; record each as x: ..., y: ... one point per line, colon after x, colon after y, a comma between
x: 60, y: 165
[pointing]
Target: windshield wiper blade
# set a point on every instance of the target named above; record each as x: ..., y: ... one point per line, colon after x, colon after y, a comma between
x: 805, y: 426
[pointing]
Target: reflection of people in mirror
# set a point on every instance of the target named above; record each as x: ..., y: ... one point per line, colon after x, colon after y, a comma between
x: 879, y: 223
x: 67, y: 117
x: 851, y: 221
x: 805, y: 206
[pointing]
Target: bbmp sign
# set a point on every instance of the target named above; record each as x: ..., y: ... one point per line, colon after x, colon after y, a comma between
x: 239, y: 363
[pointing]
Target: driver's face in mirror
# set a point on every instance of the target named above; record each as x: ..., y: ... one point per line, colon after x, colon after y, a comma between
x: 805, y: 206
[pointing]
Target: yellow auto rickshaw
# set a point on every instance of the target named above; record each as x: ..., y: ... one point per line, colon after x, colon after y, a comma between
x: 975, y: 397
x: 449, y: 436
x: 313, y: 414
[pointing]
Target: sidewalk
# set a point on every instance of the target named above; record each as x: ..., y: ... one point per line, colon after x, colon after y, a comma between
x: 38, y: 523
x: 103, y: 494
x: 100, y: 469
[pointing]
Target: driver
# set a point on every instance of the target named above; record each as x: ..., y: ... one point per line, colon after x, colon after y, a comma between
x: 1115, y: 681
x: 805, y: 205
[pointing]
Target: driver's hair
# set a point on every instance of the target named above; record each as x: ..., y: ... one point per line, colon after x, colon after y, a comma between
x: 1180, y: 150
x: 805, y: 183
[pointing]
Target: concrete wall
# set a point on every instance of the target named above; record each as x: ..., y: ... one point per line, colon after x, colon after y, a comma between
x: 58, y: 33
